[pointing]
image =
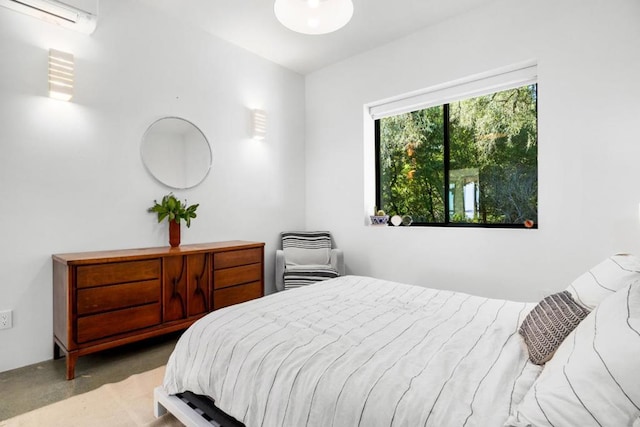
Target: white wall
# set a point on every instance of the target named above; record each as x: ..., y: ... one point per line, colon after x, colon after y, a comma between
x: 71, y: 178
x: 588, y: 55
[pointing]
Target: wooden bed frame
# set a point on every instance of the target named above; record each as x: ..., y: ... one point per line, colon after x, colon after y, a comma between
x: 191, y: 409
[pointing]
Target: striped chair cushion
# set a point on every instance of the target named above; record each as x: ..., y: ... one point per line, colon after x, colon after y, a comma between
x: 549, y: 323
x: 593, y: 377
x: 307, y: 247
x: 296, y: 276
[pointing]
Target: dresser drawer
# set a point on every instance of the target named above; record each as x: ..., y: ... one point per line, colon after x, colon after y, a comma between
x: 116, y: 322
x: 113, y: 297
x: 236, y: 294
x: 236, y: 258
x: 236, y: 275
x: 117, y: 272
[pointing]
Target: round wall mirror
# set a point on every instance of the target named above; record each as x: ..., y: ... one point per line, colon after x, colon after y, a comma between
x: 176, y: 153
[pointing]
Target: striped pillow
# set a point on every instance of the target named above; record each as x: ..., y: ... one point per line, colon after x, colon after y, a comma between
x: 549, y: 323
x: 307, y: 247
x: 604, y: 279
x: 593, y: 377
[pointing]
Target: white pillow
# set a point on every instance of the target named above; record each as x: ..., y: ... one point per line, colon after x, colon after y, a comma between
x: 595, y: 373
x: 604, y: 279
x: 299, y: 256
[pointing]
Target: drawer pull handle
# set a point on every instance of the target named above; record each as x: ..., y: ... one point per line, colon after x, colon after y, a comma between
x: 175, y: 294
x: 199, y: 291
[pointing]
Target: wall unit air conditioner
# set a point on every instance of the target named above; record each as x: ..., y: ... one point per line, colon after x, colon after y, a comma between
x: 55, y: 12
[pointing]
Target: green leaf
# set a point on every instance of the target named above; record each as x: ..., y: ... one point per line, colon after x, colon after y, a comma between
x: 171, y: 208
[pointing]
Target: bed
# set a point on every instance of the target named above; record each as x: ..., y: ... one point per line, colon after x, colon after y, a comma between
x: 358, y: 351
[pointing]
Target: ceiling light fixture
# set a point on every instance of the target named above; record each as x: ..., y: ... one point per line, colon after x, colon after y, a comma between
x: 313, y: 16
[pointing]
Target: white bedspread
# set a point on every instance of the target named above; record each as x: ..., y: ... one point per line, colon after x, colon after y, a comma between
x: 358, y: 351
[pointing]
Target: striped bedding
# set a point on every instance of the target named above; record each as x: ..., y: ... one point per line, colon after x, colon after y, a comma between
x: 358, y: 351
x: 592, y: 380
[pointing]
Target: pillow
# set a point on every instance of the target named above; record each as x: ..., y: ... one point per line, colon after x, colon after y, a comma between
x: 549, y: 323
x: 593, y: 377
x: 307, y: 247
x: 604, y: 279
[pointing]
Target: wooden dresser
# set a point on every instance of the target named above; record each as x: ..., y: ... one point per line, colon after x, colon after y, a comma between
x: 106, y: 299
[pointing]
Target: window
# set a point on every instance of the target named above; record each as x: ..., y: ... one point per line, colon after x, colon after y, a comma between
x: 468, y: 162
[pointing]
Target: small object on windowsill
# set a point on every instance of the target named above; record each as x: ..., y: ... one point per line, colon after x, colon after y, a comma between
x: 407, y: 220
x: 379, y: 219
x: 529, y: 223
x: 396, y: 220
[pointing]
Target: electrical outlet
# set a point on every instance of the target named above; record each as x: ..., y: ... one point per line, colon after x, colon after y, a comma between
x: 6, y: 319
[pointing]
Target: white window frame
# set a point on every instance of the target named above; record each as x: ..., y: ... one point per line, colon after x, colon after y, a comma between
x: 496, y: 80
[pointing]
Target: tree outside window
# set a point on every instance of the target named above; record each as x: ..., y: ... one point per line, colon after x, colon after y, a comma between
x: 471, y: 162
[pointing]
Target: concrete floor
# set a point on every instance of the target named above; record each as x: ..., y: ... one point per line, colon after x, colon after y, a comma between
x: 31, y: 387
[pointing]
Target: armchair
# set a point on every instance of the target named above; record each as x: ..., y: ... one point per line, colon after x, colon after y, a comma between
x: 307, y: 257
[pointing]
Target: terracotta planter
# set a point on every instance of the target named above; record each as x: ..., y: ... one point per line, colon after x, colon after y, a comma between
x: 174, y: 234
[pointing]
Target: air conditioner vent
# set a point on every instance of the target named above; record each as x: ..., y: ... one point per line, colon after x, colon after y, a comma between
x: 55, y: 12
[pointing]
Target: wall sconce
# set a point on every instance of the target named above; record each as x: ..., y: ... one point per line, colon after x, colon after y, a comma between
x: 259, y: 124
x: 60, y: 75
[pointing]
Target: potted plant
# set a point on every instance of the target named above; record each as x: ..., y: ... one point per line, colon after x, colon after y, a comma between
x: 174, y: 210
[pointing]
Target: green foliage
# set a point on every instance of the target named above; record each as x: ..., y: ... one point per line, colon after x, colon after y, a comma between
x: 174, y: 210
x: 509, y: 194
x: 412, y: 168
x: 493, y: 135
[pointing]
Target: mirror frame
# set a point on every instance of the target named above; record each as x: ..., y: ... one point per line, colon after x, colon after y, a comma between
x: 148, y: 168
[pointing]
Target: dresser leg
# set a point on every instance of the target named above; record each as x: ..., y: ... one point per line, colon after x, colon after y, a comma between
x: 72, y: 358
x: 56, y: 351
